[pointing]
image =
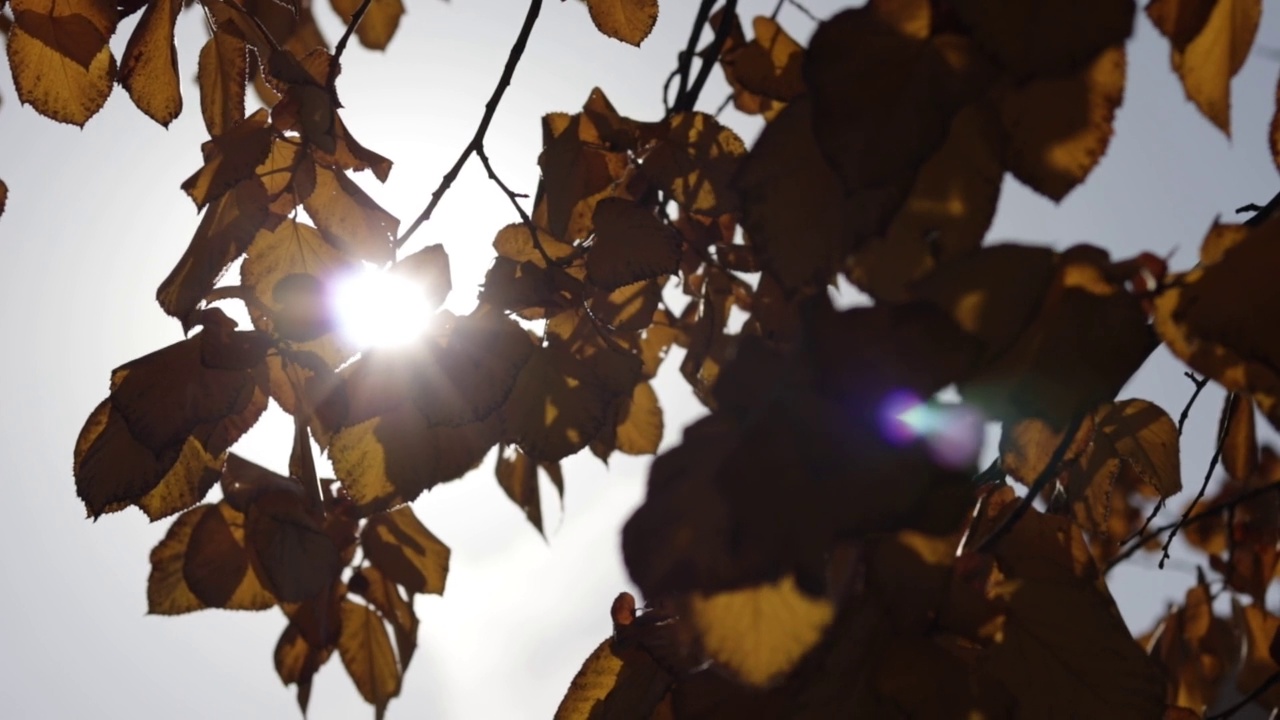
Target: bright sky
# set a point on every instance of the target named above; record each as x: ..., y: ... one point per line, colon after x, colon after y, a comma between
x: 96, y: 219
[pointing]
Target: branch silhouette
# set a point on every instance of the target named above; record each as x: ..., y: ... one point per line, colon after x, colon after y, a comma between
x: 477, y: 140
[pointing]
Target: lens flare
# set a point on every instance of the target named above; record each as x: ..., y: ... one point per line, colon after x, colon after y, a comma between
x: 378, y: 308
x: 952, y: 432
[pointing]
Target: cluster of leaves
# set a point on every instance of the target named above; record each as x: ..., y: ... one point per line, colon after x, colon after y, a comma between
x: 796, y: 559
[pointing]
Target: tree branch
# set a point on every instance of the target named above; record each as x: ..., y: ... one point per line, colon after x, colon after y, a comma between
x: 477, y: 140
x: 1186, y: 410
x: 1208, y: 475
x: 684, y: 63
x: 1244, y: 701
x: 341, y: 47
x: 1050, y: 471
x: 686, y: 101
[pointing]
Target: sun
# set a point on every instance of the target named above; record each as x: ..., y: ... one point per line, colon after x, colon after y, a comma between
x: 379, y: 308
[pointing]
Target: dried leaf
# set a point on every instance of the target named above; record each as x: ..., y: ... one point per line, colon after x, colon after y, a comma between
x: 639, y: 430
x: 1258, y: 631
x: 289, y: 548
x: 366, y: 653
x: 379, y: 22
x: 406, y: 551
x: 518, y: 477
x: 1240, y: 444
x: 1207, y: 63
x: 230, y: 159
x: 385, y: 597
x: 349, y: 218
x: 615, y: 681
x: 1055, y: 37
x: 222, y: 74
x: 631, y: 244
x: 1196, y: 650
x: 630, y: 21
x: 149, y: 66
x: 202, y: 562
x: 694, y: 160
x: 1059, y: 127
x: 69, y: 88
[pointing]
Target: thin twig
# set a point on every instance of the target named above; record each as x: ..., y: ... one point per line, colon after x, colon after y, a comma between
x: 798, y: 6
x: 1208, y: 475
x: 1244, y: 701
x: 514, y: 197
x: 1186, y: 411
x: 1195, y: 519
x: 686, y: 101
x: 685, y: 62
x: 1151, y: 516
x: 1260, y: 212
x: 490, y: 107
x: 1050, y: 471
x: 341, y: 47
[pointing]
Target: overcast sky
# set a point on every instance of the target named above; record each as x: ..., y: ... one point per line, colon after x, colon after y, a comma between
x: 96, y: 219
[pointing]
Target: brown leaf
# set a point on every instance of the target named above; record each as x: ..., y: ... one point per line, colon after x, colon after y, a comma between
x: 230, y: 158
x: 406, y: 551
x: 390, y: 459
x: 378, y: 24
x: 244, y: 481
x: 1180, y: 20
x: 946, y: 213
x: 1059, y: 127
x: 557, y: 406
x: 578, y: 169
x: 630, y: 308
x: 289, y: 549
x: 695, y: 159
x: 631, y: 244
x: 1050, y: 38
x: 386, y: 598
x: 1240, y: 444
x: 427, y: 268
x: 149, y: 66
x: 1209, y: 317
x: 1258, y: 630
x: 297, y: 662
x: 1196, y: 649
x: 157, y: 441
x: 202, y: 562
x: 630, y: 21
x: 350, y: 219
x: 222, y: 74
x: 616, y: 680
x: 58, y: 52
x: 518, y: 477
x: 1207, y: 63
x: 639, y: 430
x: 1062, y: 628
x: 366, y: 653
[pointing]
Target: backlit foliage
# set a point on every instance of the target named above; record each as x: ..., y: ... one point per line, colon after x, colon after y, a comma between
x: 799, y: 555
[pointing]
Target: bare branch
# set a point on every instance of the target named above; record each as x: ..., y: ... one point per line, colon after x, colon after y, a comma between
x: 341, y: 47
x: 684, y: 64
x: 686, y: 101
x: 1244, y: 701
x: 1050, y: 471
x: 477, y: 140
x: 1208, y: 475
x: 1186, y: 411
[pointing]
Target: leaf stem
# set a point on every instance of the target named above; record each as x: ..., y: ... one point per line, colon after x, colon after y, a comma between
x: 1208, y: 475
x: 341, y: 47
x: 490, y: 107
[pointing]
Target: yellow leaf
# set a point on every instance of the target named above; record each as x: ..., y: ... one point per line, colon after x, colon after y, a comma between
x: 1217, y: 53
x: 349, y: 218
x: 1180, y: 20
x: 695, y: 159
x: 149, y: 66
x: 230, y: 159
x: 615, y: 681
x: 202, y: 562
x: 67, y: 88
x: 222, y: 74
x: 383, y: 594
x: 366, y: 653
x: 630, y: 21
x: 1259, y: 664
x: 640, y: 423
x: 399, y: 545
x: 760, y: 633
x: 1059, y: 127
x: 518, y: 477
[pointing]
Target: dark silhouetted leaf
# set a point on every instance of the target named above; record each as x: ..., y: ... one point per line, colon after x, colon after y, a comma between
x: 631, y: 244
x: 406, y: 551
x: 202, y: 562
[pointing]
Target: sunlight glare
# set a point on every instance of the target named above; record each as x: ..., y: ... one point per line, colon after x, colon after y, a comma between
x: 378, y: 308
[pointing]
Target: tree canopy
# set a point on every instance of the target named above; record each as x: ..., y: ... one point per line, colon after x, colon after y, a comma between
x: 821, y: 543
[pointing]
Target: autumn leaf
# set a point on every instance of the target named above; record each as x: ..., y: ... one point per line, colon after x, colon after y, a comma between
x: 1240, y: 441
x: 639, y: 430
x: 289, y: 548
x: 1196, y: 649
x: 157, y: 444
x: 222, y: 73
x: 578, y: 170
x: 630, y: 308
x: 694, y: 158
x: 1058, y: 128
x: 761, y: 632
x: 630, y: 21
x: 1259, y: 631
x: 297, y: 662
x: 149, y: 66
x: 385, y: 597
x: 1053, y: 38
x: 58, y: 52
x: 615, y: 680
x: 350, y: 219
x: 518, y: 477
x: 366, y: 653
x: 403, y: 549
x: 230, y: 159
x: 631, y: 244
x: 1215, y: 51
x: 428, y: 269
x: 202, y: 562
x: 1207, y: 317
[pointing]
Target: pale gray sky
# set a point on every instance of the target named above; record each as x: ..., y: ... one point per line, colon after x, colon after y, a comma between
x: 96, y: 219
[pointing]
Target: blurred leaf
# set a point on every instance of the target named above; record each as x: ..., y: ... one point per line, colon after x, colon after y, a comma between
x: 1207, y: 62
x: 290, y: 550
x: 366, y: 653
x: 1055, y: 37
x: 202, y: 562
x: 403, y: 549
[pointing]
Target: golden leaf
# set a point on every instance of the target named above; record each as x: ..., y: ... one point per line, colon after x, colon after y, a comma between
x: 1208, y: 62
x: 399, y: 545
x: 630, y: 21
x: 202, y: 562
x: 366, y: 653
x: 222, y: 73
x: 67, y: 88
x: 149, y: 66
